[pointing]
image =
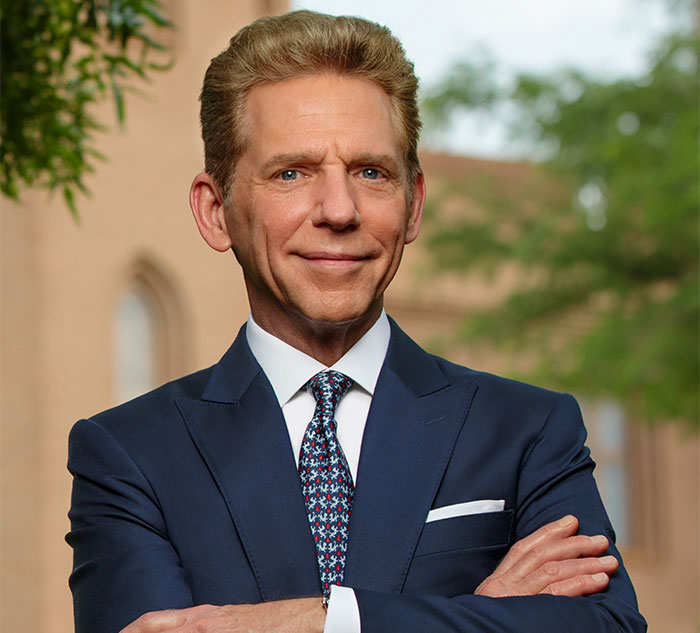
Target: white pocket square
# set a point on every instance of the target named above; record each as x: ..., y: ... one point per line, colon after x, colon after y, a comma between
x: 480, y: 506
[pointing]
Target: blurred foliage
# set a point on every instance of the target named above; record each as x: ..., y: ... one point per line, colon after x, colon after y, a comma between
x: 59, y: 57
x: 607, y: 246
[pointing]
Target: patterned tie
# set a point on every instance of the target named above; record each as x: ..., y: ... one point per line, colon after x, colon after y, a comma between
x: 325, y: 478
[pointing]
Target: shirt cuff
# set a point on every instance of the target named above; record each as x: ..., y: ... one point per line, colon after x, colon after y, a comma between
x: 343, y: 613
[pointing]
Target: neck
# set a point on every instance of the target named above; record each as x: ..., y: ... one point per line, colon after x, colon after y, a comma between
x: 326, y: 342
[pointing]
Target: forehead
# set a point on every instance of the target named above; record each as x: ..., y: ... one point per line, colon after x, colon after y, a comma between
x: 317, y: 112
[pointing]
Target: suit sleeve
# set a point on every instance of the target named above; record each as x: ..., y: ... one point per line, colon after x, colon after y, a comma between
x: 555, y: 479
x: 119, y: 538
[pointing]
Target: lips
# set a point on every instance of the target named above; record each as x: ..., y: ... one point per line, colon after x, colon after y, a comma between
x: 337, y: 257
x: 322, y: 262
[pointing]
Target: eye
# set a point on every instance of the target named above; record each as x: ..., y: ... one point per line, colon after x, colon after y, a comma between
x: 371, y: 173
x: 289, y: 174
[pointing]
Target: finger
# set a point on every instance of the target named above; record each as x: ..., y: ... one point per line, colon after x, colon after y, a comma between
x: 157, y: 622
x: 566, y: 571
x: 569, y: 548
x: 164, y: 621
x: 564, y: 527
x: 579, y: 585
x: 567, y: 578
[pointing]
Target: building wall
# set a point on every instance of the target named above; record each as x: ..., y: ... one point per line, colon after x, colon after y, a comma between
x: 62, y: 283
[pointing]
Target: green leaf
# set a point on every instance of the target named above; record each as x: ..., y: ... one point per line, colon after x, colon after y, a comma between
x: 47, y: 87
x: 604, y: 243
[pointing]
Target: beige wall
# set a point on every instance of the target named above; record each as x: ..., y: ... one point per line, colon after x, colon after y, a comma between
x: 60, y: 286
x: 665, y: 574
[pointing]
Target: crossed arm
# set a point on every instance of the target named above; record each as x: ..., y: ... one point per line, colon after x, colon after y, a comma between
x: 552, y: 560
x: 112, y: 509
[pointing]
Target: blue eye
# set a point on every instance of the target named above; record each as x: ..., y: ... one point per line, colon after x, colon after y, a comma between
x: 289, y: 174
x: 371, y: 174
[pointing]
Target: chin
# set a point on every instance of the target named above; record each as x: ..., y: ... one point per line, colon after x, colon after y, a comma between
x: 340, y: 313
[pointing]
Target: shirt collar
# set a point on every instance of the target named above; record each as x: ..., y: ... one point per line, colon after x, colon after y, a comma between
x: 289, y: 369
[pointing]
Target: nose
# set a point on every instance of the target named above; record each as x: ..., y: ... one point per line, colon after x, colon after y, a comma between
x: 336, y: 205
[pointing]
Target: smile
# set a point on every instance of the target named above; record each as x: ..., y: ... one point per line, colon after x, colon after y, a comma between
x: 333, y: 259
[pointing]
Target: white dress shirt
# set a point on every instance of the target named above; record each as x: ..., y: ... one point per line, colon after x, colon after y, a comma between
x: 288, y: 370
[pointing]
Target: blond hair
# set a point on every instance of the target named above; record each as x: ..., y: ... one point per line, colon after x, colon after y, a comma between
x: 293, y: 45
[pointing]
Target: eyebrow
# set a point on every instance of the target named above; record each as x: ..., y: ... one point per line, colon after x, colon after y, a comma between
x: 290, y: 159
x: 385, y: 160
x: 366, y: 158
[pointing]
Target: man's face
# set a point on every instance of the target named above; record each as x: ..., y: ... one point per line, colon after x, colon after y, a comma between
x: 319, y: 207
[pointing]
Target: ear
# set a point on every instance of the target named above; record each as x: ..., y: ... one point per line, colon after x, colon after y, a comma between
x: 207, y: 206
x: 415, y: 212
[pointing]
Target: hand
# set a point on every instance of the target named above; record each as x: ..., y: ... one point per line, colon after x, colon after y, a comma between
x: 552, y: 560
x: 300, y: 615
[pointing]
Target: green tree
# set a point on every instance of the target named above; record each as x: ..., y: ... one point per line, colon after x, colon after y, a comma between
x: 607, y: 246
x: 59, y: 57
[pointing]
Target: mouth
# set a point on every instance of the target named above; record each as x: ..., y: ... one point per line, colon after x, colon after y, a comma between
x: 333, y: 259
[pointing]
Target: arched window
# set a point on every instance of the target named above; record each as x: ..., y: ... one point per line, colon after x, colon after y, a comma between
x: 607, y: 437
x: 149, y: 332
x: 627, y: 473
x: 134, y: 345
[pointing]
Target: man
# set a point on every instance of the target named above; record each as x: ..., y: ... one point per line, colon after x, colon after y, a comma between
x: 445, y: 499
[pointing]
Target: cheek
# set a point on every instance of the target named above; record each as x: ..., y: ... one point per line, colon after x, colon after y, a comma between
x: 389, y: 229
x: 272, y: 236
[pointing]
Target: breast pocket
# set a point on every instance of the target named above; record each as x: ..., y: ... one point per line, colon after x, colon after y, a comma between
x: 454, y: 555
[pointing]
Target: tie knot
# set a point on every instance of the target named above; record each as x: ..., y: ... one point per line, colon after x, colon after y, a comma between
x: 329, y: 386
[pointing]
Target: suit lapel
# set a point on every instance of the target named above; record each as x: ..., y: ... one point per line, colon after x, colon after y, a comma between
x: 240, y: 432
x: 414, y: 421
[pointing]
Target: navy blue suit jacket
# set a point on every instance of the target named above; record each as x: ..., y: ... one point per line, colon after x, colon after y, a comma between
x: 190, y: 495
